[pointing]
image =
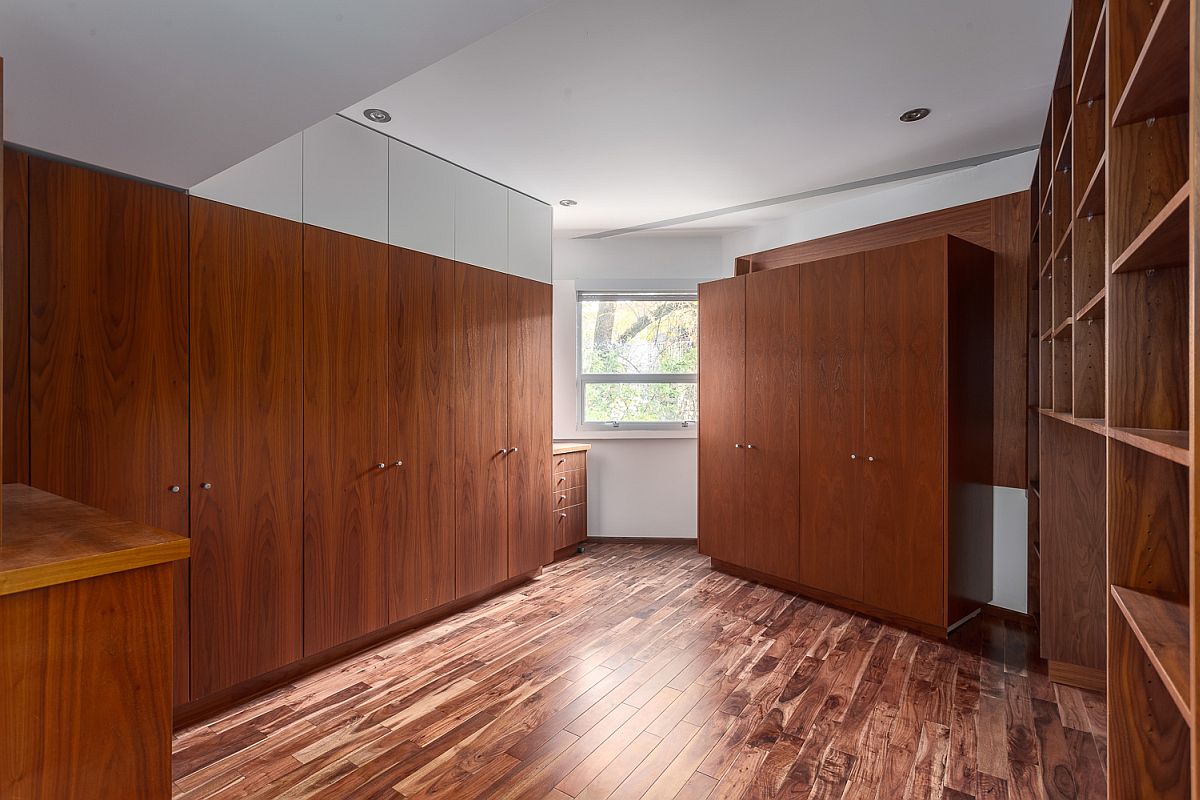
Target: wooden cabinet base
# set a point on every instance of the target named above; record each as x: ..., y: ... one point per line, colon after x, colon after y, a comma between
x: 85, y: 668
x: 832, y: 599
x: 1075, y: 675
x: 199, y: 710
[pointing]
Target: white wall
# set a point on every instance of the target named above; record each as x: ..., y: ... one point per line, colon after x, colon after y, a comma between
x: 640, y: 483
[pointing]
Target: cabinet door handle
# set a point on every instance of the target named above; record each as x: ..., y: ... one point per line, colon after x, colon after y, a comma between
x: 503, y: 451
x: 854, y: 456
x: 381, y: 465
x: 174, y: 488
x: 512, y: 450
x: 738, y: 446
x: 749, y: 447
x: 397, y: 463
x: 206, y: 485
x: 871, y: 458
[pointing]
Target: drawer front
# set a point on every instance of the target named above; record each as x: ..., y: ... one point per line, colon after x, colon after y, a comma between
x: 569, y: 497
x: 568, y: 480
x: 570, y: 526
x: 568, y: 461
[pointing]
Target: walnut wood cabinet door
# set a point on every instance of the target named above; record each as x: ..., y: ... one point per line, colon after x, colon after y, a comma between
x: 345, y: 298
x: 16, y: 316
x: 247, y: 550
x: 904, y: 437
x: 722, y: 464
x: 772, y: 414
x: 529, y: 429
x: 108, y: 349
x: 421, y: 428
x: 831, y: 425
x: 480, y: 428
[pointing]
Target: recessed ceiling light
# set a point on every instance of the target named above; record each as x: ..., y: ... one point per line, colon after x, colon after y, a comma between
x: 567, y: 203
x: 914, y: 115
x: 377, y: 115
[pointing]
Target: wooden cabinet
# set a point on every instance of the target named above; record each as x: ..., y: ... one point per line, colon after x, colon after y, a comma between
x: 246, y: 395
x: 422, y: 548
x: 109, y: 320
x: 870, y: 376
x: 346, y: 449
x: 568, y: 499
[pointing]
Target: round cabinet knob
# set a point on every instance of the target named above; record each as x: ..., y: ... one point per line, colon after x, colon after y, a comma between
x: 174, y: 488
x: 513, y: 450
x: 503, y: 451
x: 397, y: 463
x: 381, y: 465
x: 854, y: 456
x: 749, y: 447
x: 738, y: 446
x: 871, y: 458
x: 206, y: 485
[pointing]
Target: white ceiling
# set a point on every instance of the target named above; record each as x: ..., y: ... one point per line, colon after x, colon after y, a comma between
x: 178, y: 90
x: 645, y: 110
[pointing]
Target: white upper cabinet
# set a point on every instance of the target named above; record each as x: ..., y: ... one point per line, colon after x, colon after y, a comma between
x: 421, y: 201
x: 480, y: 221
x: 346, y: 178
x: 270, y: 182
x: 529, y: 232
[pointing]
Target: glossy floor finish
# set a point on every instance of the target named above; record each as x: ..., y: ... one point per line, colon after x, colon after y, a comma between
x: 636, y: 671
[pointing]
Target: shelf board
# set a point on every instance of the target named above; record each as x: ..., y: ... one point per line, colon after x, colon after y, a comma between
x: 1063, y: 249
x: 1044, y: 211
x: 1092, y: 309
x: 1046, y: 336
x: 1064, y: 149
x: 1171, y: 445
x: 1045, y: 270
x: 1158, y: 85
x: 1087, y: 423
x: 1063, y: 331
x: 1164, y: 241
x: 1091, y: 81
x: 1161, y: 627
x: 1093, y: 196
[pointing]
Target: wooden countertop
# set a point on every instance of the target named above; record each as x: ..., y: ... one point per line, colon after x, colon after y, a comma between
x: 49, y: 540
x: 570, y: 447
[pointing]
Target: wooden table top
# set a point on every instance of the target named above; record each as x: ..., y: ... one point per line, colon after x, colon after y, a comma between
x: 570, y: 447
x: 48, y: 540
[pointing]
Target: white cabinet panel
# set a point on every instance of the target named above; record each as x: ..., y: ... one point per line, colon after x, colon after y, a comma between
x: 529, y: 231
x: 346, y: 178
x: 270, y: 182
x: 480, y: 221
x: 421, y: 201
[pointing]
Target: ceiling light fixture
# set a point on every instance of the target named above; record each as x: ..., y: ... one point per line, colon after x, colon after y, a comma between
x: 377, y: 115
x: 914, y: 115
x: 567, y: 203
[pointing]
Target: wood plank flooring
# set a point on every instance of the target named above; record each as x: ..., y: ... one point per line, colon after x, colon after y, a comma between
x: 636, y: 671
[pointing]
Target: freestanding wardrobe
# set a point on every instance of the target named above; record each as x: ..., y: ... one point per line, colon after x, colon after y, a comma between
x: 846, y: 430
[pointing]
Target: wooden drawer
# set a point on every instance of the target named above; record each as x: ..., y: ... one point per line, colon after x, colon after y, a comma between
x: 568, y: 480
x: 570, y: 526
x: 568, y: 497
x: 568, y: 461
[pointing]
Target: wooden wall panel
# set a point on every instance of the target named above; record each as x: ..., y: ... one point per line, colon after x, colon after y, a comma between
x: 480, y: 428
x: 108, y: 319
x: 722, y: 404
x: 346, y: 514
x: 16, y: 317
x: 831, y: 425
x: 247, y: 550
x: 422, y: 432
x: 86, y: 672
x: 905, y: 390
x: 772, y: 420
x: 529, y: 433
x: 1001, y: 225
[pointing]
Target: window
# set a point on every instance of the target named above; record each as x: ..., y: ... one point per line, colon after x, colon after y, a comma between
x: 638, y: 357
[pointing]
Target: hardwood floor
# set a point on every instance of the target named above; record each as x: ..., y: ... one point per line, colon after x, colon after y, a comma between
x: 636, y: 671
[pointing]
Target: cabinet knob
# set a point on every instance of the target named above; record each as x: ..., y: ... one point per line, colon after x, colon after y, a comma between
x: 738, y: 446
x: 397, y: 463
x: 206, y: 485
x: 749, y: 447
x: 503, y: 451
x: 513, y: 450
x: 381, y: 465
x: 174, y: 488
x: 871, y: 458
x: 854, y: 456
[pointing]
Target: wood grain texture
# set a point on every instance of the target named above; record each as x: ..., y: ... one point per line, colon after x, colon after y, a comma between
x: 16, y: 316
x: 687, y: 684
x: 86, y: 667
x: 347, y: 517
x: 1000, y: 225
x: 1147, y: 319
x: 722, y: 465
x: 421, y: 420
x: 529, y: 424
x: 831, y: 425
x: 1148, y: 522
x: 247, y: 399
x: 1072, y: 527
x: 481, y: 428
x: 772, y: 421
x: 905, y: 391
x: 108, y: 352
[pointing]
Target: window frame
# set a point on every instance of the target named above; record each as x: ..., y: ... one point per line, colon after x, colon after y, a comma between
x: 582, y: 379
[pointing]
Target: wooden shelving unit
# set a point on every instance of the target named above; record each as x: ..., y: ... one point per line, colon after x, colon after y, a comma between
x: 1112, y: 343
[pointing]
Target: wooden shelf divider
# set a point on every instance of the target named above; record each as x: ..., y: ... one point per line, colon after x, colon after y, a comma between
x: 1091, y: 82
x: 1171, y: 445
x: 1158, y: 85
x: 1163, y: 243
x: 1063, y: 330
x: 1092, y: 204
x: 1161, y: 627
x: 1092, y: 309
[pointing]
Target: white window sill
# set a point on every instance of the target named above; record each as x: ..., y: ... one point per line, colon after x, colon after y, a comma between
x: 590, y: 435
